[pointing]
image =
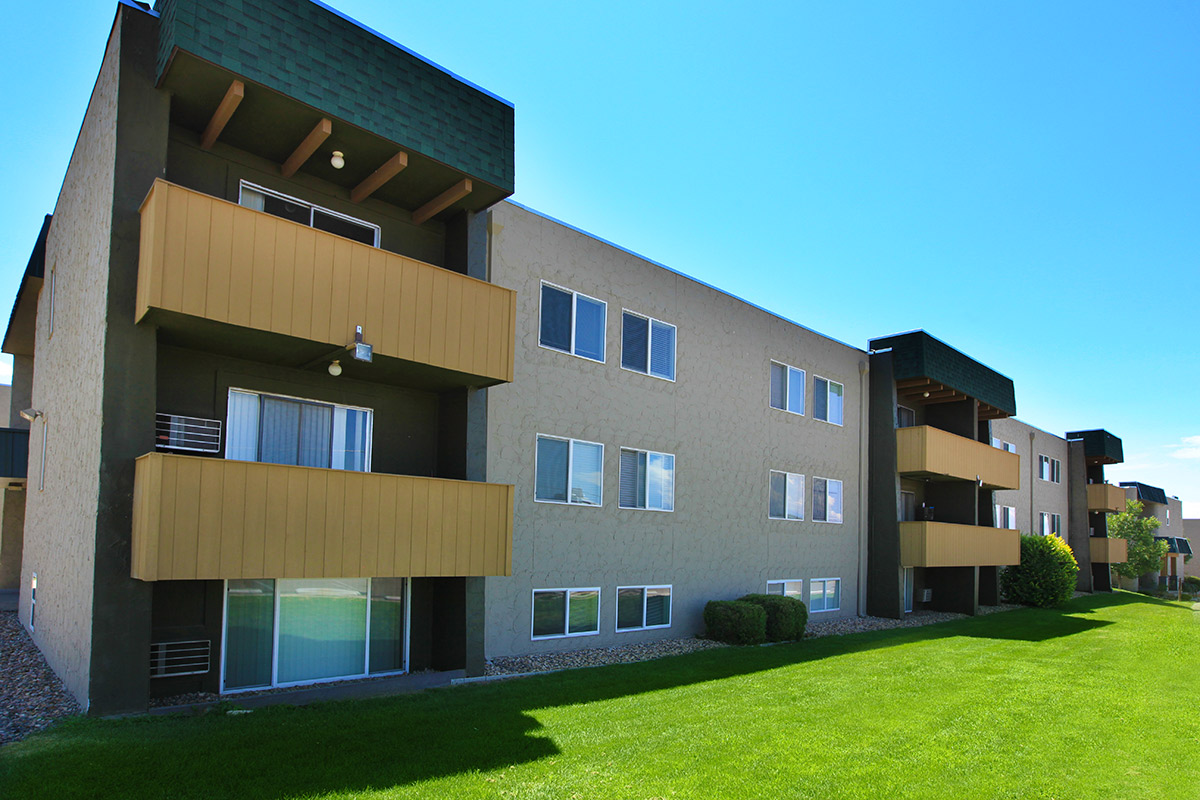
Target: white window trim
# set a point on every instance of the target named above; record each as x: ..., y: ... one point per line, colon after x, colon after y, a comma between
x: 803, y: 496
x: 828, y: 381
x: 244, y: 184
x: 1009, y: 447
x: 811, y: 581
x: 827, y: 521
x: 1000, y: 514
x: 786, y: 391
x: 645, y: 597
x: 1053, y: 472
x: 33, y: 582
x: 649, y: 341
x: 785, y: 581
x: 370, y: 436
x: 570, y: 473
x: 648, y: 453
x: 567, y: 615
x: 574, y: 299
x: 275, y: 683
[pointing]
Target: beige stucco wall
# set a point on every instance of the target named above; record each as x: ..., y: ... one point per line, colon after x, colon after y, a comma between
x: 715, y: 419
x: 1035, y: 496
x: 60, y: 521
x: 20, y: 394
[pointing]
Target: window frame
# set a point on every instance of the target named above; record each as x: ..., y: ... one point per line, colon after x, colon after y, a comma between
x: 574, y: 313
x: 370, y: 433
x: 824, y: 589
x: 570, y: 472
x: 646, y: 507
x: 899, y: 407
x: 784, y: 582
x: 1049, y: 524
x: 828, y: 383
x: 245, y: 184
x: 649, y: 345
x: 787, y: 382
x: 566, y: 612
x: 803, y: 495
x: 841, y: 511
x: 1052, y: 472
x: 1000, y: 515
x: 645, y: 598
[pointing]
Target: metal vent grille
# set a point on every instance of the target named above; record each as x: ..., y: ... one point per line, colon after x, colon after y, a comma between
x: 170, y: 659
x: 173, y: 432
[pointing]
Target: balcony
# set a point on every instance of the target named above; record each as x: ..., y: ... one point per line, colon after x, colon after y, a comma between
x: 1108, y: 551
x: 14, y: 455
x: 932, y: 453
x: 197, y: 518
x: 206, y: 259
x: 1105, y: 497
x: 945, y: 544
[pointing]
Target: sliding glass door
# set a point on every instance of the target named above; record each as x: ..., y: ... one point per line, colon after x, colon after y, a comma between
x: 287, y: 430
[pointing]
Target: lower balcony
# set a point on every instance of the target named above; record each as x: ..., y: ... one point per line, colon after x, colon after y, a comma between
x: 200, y: 518
x: 1108, y: 551
x: 1105, y: 497
x: 946, y: 544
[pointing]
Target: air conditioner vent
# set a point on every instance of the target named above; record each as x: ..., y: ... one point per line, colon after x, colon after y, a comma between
x: 196, y: 434
x: 171, y: 659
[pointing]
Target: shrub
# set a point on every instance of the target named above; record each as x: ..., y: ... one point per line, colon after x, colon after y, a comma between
x: 786, y: 616
x: 1191, y: 584
x: 1046, y: 575
x: 735, y: 622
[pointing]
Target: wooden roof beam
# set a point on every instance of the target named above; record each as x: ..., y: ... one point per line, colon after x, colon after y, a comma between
x: 306, y: 148
x: 908, y: 383
x: 443, y: 201
x: 388, y: 170
x: 229, y: 103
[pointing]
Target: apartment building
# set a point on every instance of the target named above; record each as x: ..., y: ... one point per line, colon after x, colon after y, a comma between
x: 258, y: 338
x: 669, y: 445
x: 1168, y: 511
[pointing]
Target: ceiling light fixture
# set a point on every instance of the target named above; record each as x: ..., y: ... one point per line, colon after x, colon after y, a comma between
x: 335, y: 368
x: 338, y: 160
x: 30, y: 414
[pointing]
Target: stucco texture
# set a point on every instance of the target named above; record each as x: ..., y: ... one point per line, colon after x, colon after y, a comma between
x: 60, y: 520
x: 718, y: 543
x: 1035, y: 496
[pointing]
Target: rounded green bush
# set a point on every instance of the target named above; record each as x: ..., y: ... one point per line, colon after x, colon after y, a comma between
x: 786, y: 616
x: 1191, y: 584
x: 1046, y: 575
x: 735, y: 622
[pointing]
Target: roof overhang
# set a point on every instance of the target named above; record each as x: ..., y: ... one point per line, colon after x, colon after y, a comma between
x: 22, y: 322
x: 927, y: 370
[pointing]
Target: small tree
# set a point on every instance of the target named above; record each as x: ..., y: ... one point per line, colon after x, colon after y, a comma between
x: 1145, y: 554
x: 1046, y: 575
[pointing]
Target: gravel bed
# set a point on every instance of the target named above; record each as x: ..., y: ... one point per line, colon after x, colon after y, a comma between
x: 597, y: 656
x: 31, y: 695
x: 839, y: 627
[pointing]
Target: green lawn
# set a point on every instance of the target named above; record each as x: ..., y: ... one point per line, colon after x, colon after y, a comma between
x: 1101, y: 699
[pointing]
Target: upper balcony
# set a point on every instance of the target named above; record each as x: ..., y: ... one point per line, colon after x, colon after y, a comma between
x: 1105, y: 497
x: 197, y: 518
x: 1108, y: 551
x: 928, y: 452
x: 215, y: 274
x: 945, y: 544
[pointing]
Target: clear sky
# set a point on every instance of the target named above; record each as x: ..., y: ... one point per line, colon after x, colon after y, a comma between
x: 1020, y: 179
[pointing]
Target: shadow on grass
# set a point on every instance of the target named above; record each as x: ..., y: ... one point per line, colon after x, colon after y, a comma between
x: 361, y: 745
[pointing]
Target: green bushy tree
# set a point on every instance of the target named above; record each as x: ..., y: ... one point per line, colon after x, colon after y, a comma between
x: 1145, y: 554
x: 735, y: 622
x: 1046, y: 575
x: 786, y: 616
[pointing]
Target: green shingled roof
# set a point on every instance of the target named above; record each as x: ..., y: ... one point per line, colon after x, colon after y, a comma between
x: 1099, y: 446
x: 1147, y: 494
x: 919, y: 355
x: 331, y: 63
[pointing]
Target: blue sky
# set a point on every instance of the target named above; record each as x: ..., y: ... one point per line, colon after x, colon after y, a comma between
x: 1022, y: 180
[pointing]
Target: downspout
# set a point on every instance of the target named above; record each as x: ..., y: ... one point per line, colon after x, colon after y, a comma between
x: 1032, y: 458
x: 862, y: 484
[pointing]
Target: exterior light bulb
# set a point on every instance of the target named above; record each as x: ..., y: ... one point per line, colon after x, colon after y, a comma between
x: 335, y: 368
x: 338, y: 160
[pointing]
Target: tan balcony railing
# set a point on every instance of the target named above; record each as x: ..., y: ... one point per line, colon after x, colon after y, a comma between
x: 945, y: 544
x: 1109, y: 551
x: 1105, y: 497
x: 926, y: 451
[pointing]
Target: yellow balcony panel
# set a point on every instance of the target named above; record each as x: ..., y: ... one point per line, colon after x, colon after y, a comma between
x: 928, y: 452
x: 214, y: 260
x: 1108, y: 551
x: 200, y: 518
x: 1105, y: 497
x: 945, y: 544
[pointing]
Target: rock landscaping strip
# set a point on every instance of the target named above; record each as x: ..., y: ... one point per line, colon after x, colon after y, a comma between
x: 31, y: 695
x: 596, y: 656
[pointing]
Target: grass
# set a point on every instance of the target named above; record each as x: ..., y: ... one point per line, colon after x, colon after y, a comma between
x: 1095, y: 700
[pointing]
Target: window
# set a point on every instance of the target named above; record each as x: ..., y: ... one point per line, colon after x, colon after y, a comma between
x: 1009, y: 447
x: 825, y: 594
x: 827, y: 500
x: 905, y: 417
x: 1050, y: 524
x: 827, y: 400
x: 909, y: 588
x: 792, y: 588
x: 572, y: 322
x: 787, y: 496
x: 281, y: 205
x: 1006, y: 517
x: 908, y: 506
x: 569, y: 471
x: 787, y: 388
x: 32, y: 598
x: 281, y: 632
x: 647, y: 346
x: 647, y: 480
x: 565, y: 612
x: 285, y: 430
x: 1049, y: 469
x: 643, y: 607
x: 1168, y: 518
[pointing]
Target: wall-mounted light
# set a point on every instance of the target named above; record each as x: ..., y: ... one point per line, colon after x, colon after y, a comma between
x: 30, y: 414
x: 362, y: 350
x: 335, y: 368
x: 338, y: 159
